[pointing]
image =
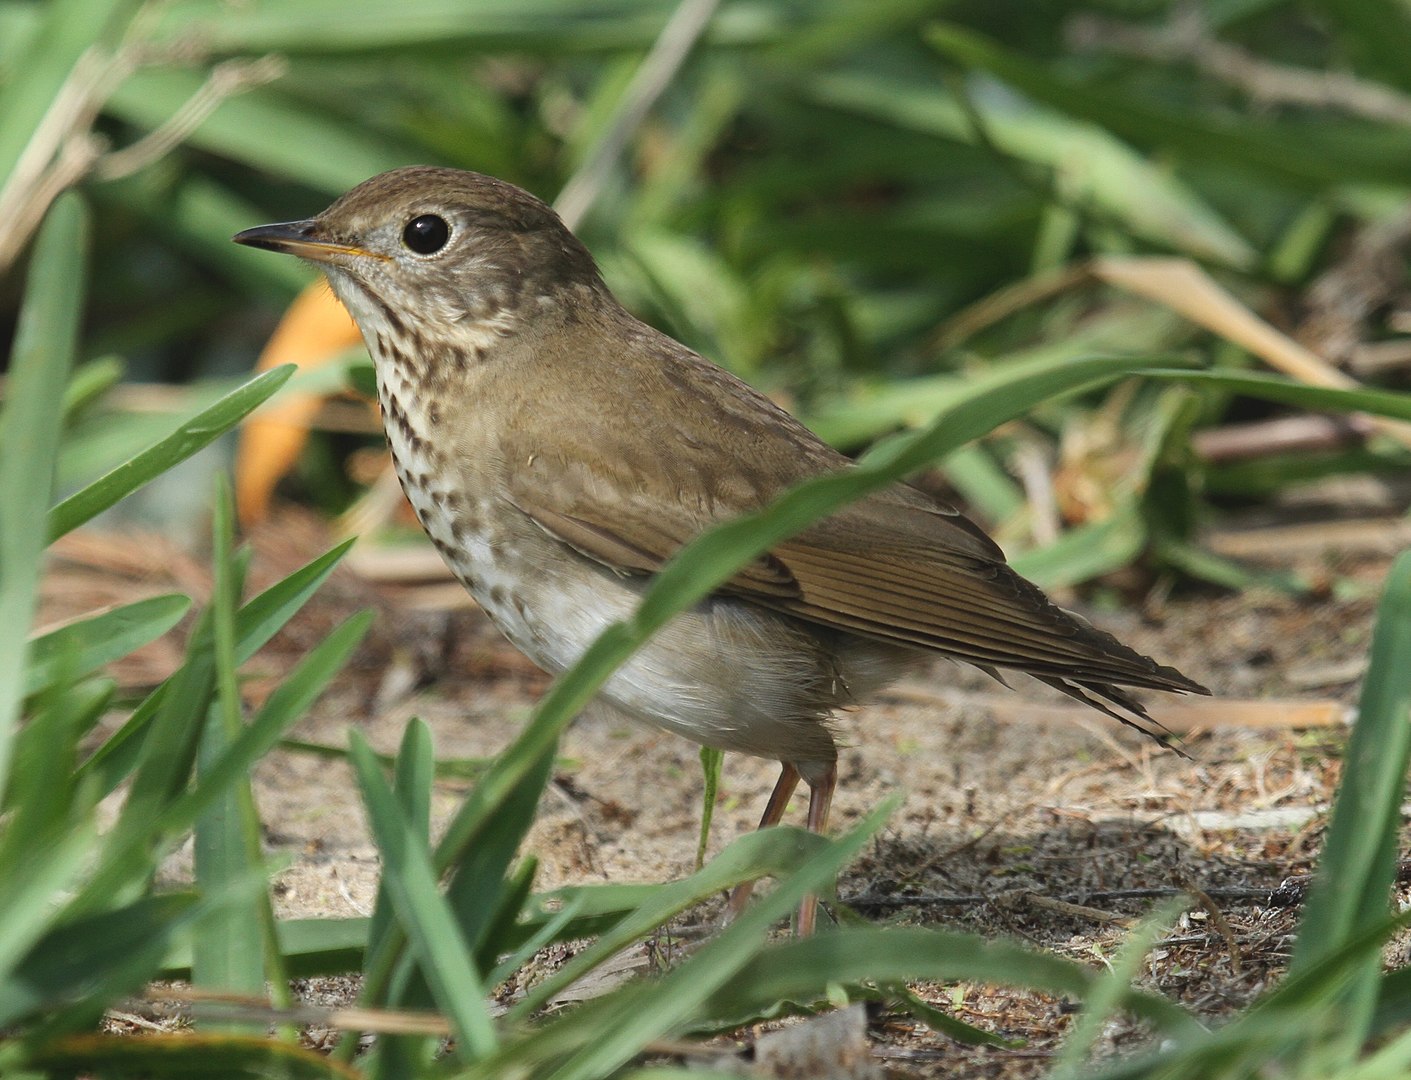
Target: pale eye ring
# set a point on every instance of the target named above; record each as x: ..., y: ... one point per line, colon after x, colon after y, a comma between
x: 426, y: 234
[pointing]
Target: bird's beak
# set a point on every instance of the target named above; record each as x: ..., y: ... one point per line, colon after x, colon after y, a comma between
x: 297, y: 238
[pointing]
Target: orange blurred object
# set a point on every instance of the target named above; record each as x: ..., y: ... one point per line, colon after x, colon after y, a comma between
x: 314, y: 331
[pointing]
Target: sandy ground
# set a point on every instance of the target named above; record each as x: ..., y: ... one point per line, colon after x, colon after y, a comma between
x: 1022, y: 815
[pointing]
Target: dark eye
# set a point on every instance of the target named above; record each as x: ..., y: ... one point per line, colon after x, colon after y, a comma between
x: 427, y: 234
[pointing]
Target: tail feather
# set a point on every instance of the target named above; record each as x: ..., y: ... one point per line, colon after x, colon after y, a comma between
x: 1097, y: 695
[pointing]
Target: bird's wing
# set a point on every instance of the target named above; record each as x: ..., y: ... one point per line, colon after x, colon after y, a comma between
x: 897, y: 566
x: 888, y: 568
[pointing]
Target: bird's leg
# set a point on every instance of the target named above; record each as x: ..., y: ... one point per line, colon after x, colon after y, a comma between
x: 773, y: 812
x: 820, y: 801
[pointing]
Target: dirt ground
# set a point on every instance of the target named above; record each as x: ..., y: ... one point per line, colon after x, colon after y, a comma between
x: 1024, y: 815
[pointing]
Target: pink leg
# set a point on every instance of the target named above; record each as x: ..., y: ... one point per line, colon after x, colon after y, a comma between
x: 773, y: 813
x: 820, y: 801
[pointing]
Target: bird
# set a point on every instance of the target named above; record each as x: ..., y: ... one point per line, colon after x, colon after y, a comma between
x: 558, y: 451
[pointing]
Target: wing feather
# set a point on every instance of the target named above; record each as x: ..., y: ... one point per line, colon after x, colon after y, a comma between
x: 898, y: 565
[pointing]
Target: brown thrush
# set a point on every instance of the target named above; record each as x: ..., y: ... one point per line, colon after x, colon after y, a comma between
x: 558, y: 451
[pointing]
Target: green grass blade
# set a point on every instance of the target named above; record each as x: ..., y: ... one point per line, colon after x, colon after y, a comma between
x: 1111, y: 989
x: 94, y: 955
x: 68, y: 29
x: 769, y: 852
x: 549, y: 931
x: 80, y: 647
x: 796, y: 970
x: 266, y: 614
x: 314, y: 147
x: 477, y: 887
x: 403, y: 1055
x: 27, y: 906
x: 711, y: 761
x: 192, y: 435
x: 1378, y: 34
x: 43, y: 354
x: 1088, y: 551
x: 605, y: 1034
x: 327, y: 26
x: 309, y: 947
x: 1303, y: 1014
x: 986, y: 487
x: 441, y: 950
x: 1287, y: 392
x: 1266, y: 147
x: 282, y: 708
x: 1100, y: 168
x: 258, y: 621
x: 44, y: 803
x: 229, y: 948
x: 166, y: 759
x: 1350, y: 892
x: 415, y: 771
x: 163, y: 812
x: 89, y: 383
x: 187, y: 1056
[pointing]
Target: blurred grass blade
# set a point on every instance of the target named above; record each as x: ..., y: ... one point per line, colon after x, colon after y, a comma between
x: 1377, y: 33
x: 1088, y: 551
x: 795, y: 970
x: 900, y: 998
x: 974, y: 473
x: 290, y: 701
x: 711, y: 761
x: 550, y: 931
x: 315, y: 147
x: 603, y: 1035
x: 1359, y: 863
x: 118, y: 948
x: 1184, y: 287
x: 166, y: 759
x: 1390, y: 403
x: 1111, y: 990
x: 775, y: 852
x: 89, y: 383
x: 27, y: 901
x: 415, y: 766
x: 312, y: 946
x: 1301, y: 1014
x: 339, y: 26
x: 82, y: 646
x: 228, y: 946
x: 68, y: 29
x: 257, y: 622
x: 477, y: 887
x: 1263, y: 146
x: 441, y: 950
x: 188, y: 1056
x: 42, y: 795
x: 43, y: 354
x: 164, y: 812
x: 402, y: 1055
x: 1090, y: 161
x: 869, y: 411
x: 195, y: 434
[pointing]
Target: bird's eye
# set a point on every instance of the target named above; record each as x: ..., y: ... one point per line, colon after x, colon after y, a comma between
x: 427, y: 234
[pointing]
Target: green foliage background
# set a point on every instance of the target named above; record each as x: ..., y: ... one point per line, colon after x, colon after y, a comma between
x: 815, y: 198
